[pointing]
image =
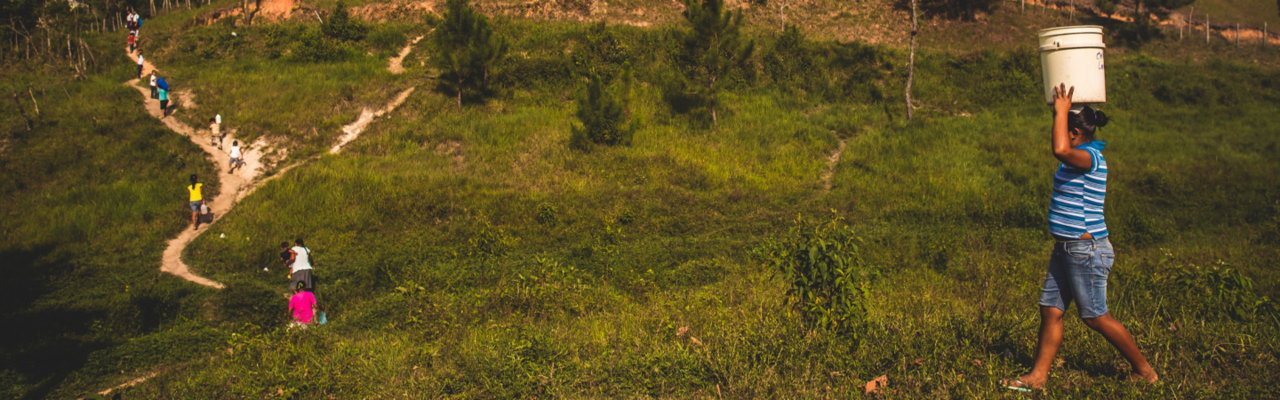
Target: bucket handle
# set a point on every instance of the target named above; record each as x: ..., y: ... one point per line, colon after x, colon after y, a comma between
x: 1059, y: 46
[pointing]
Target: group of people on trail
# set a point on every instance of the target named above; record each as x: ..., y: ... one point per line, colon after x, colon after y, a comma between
x: 159, y: 89
x: 133, y: 22
x: 302, y: 305
x: 195, y: 195
x: 298, y: 258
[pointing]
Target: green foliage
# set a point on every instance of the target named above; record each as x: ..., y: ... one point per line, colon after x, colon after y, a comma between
x: 490, y: 241
x: 341, y: 26
x: 713, y: 49
x: 315, y: 47
x: 825, y: 70
x: 1107, y: 7
x: 603, y: 51
x: 951, y: 9
x: 605, y: 114
x: 547, y: 215
x: 1218, y: 292
x: 827, y: 280
x: 466, y: 50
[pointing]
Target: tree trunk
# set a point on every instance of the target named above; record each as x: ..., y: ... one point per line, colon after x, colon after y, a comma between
x: 33, y: 100
x: 715, y: 122
x: 911, y: 60
x: 18, y: 103
x: 459, y: 92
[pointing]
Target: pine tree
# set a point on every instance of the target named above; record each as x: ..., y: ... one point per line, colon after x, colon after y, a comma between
x: 341, y: 26
x: 604, y: 113
x: 714, y: 48
x: 466, y: 49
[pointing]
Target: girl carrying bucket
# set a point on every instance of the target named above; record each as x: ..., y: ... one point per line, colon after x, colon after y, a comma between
x: 1082, y: 254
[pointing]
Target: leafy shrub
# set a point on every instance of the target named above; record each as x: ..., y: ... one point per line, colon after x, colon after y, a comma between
x: 604, y: 114
x: 626, y: 217
x: 603, y: 51
x: 340, y: 25
x: 315, y: 47
x: 827, y: 279
x: 547, y: 215
x: 950, y: 9
x: 490, y: 242
x: 1223, y: 292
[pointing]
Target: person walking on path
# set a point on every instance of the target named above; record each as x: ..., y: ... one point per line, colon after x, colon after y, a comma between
x: 300, y: 265
x: 285, y: 255
x: 302, y: 306
x: 1082, y: 253
x: 215, y: 133
x: 140, y: 62
x: 131, y: 41
x: 163, y: 88
x: 154, y: 94
x: 237, y: 160
x: 195, y: 200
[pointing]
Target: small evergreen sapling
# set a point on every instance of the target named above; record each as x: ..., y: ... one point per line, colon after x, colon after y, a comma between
x: 713, y: 49
x: 340, y: 25
x: 605, y: 113
x: 466, y: 51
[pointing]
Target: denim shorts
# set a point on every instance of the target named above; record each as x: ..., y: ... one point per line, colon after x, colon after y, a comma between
x: 1078, y: 271
x: 195, y: 205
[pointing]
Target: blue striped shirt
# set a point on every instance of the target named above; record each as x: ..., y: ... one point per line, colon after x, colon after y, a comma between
x: 1079, y: 195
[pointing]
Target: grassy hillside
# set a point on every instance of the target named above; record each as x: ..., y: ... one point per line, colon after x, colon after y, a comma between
x: 88, y: 198
x: 472, y: 253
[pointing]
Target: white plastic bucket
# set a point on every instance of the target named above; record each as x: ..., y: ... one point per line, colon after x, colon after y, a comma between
x: 1073, y: 55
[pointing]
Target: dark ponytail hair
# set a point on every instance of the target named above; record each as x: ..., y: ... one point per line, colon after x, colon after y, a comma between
x: 1087, y: 121
x: 193, y: 179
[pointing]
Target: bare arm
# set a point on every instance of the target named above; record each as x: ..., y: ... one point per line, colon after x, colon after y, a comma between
x: 1062, y: 149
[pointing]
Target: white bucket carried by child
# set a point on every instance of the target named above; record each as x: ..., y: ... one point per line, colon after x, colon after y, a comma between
x: 1073, y: 55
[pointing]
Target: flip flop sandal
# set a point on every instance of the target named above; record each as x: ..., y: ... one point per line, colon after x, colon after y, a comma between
x: 1018, y: 385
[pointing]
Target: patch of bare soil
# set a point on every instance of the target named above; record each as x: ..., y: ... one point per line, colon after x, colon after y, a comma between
x: 453, y: 149
x: 276, y: 9
x: 395, y: 64
x: 831, y: 166
x: 353, y: 130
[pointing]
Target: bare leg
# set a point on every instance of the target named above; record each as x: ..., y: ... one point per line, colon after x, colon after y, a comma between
x: 195, y: 220
x: 1119, y: 337
x: 1047, y: 347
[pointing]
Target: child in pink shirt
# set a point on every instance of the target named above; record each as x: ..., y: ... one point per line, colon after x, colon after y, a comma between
x: 301, y: 304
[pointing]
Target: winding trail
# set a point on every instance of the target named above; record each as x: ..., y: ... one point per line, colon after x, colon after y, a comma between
x: 232, y: 185
x: 395, y: 65
x: 235, y: 186
x: 353, y: 130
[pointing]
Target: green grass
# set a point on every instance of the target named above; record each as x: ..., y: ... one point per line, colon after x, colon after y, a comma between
x: 88, y: 198
x: 471, y: 253
x: 1249, y: 13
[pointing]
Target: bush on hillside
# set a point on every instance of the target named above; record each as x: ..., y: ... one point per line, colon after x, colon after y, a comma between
x: 602, y: 51
x: 827, y: 280
x: 605, y: 114
x: 340, y: 26
x: 950, y: 9
x: 312, y: 46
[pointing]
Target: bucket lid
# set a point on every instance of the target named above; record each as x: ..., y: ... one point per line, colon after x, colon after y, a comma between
x: 1069, y: 30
